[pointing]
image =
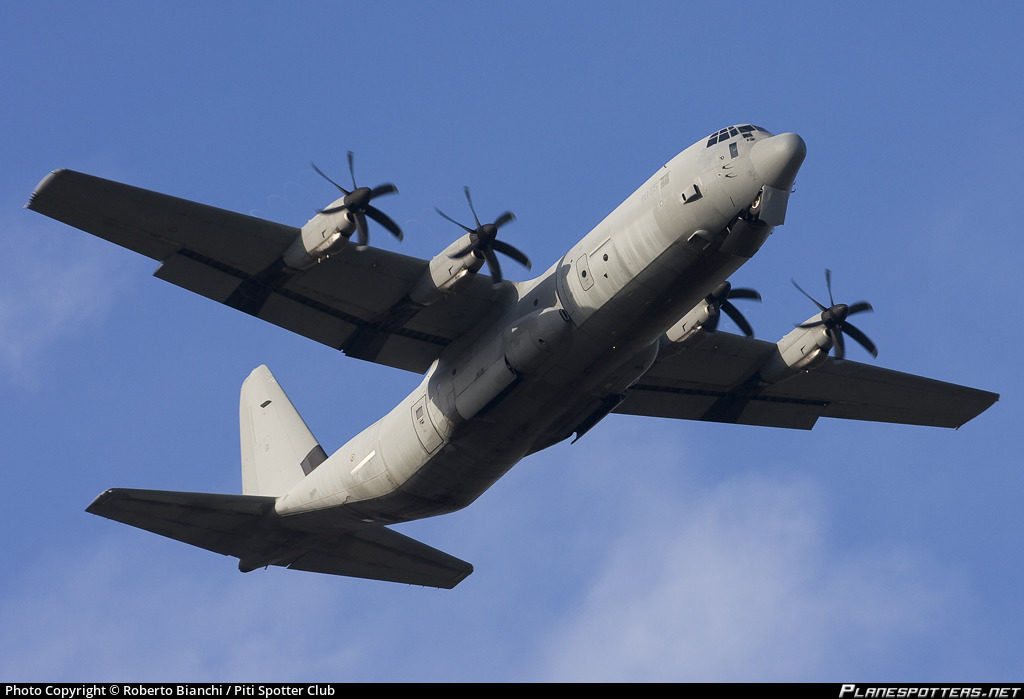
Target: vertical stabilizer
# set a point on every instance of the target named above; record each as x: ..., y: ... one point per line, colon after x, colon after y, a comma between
x: 278, y: 450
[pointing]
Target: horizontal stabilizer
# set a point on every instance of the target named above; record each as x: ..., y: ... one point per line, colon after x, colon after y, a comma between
x: 246, y: 526
x: 220, y: 523
x: 383, y: 554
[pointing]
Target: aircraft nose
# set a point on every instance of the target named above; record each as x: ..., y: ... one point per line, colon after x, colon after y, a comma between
x: 778, y: 158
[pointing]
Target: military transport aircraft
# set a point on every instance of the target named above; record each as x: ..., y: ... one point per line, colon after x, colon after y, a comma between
x: 626, y: 322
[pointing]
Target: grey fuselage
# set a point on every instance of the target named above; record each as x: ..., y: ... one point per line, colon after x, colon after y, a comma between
x: 560, y: 350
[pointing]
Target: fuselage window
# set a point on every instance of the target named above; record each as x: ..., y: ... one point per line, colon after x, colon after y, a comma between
x: 733, y: 150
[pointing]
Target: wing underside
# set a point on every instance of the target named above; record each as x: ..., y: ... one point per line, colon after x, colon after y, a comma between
x: 715, y: 378
x: 355, y: 301
x: 245, y: 526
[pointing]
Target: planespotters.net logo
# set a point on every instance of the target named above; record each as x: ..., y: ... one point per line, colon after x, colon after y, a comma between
x: 859, y: 691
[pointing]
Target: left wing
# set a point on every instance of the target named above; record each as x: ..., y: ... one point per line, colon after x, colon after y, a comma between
x: 356, y: 301
x: 714, y: 377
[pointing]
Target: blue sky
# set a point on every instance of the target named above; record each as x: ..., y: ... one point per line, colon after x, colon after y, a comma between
x: 651, y: 550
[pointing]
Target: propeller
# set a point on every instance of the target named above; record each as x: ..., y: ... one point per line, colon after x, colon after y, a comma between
x: 357, y: 202
x: 483, y: 240
x: 834, y: 320
x: 719, y: 299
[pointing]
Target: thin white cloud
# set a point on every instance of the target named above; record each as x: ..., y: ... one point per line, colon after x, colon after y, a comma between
x: 734, y: 581
x: 49, y: 292
x: 739, y: 583
x: 99, y: 615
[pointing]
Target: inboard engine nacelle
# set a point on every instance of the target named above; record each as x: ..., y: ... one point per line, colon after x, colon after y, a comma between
x: 694, y: 320
x: 444, y: 272
x: 802, y: 349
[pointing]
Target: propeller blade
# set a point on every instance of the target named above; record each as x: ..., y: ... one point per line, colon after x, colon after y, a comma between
x: 861, y: 338
x: 364, y: 234
x: 464, y: 251
x: 517, y: 255
x: 712, y: 323
x: 838, y: 343
x: 720, y: 293
x: 744, y: 294
x: 322, y: 174
x: 383, y: 189
x: 492, y: 263
x: 352, y: 169
x: 506, y: 217
x: 470, y: 200
x: 737, y: 317
x: 859, y: 307
x: 449, y: 218
x: 828, y: 285
x: 384, y: 220
x: 813, y: 300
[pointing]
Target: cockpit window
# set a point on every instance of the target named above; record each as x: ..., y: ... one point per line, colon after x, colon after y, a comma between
x: 746, y: 130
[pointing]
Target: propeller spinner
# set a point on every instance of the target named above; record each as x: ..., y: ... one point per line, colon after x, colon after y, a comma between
x: 484, y: 240
x: 719, y: 299
x: 357, y: 202
x: 834, y: 319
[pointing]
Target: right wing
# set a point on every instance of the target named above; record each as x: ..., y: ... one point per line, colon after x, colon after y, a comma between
x: 715, y: 378
x: 246, y: 527
x: 356, y: 301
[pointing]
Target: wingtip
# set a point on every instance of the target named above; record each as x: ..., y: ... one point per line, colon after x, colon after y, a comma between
x: 42, y: 186
x: 96, y: 506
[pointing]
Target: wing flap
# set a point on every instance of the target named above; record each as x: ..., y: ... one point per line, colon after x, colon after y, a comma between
x: 736, y: 407
x: 198, y: 277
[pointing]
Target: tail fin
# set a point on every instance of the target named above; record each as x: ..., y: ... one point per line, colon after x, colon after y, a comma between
x: 278, y: 449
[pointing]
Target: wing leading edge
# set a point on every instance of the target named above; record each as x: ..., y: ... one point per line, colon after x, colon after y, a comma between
x: 246, y: 527
x: 355, y: 301
x: 716, y: 379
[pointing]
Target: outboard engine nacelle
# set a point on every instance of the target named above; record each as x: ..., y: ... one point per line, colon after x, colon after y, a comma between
x: 321, y: 236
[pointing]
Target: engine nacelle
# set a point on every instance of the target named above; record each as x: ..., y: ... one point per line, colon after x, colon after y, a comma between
x: 689, y: 324
x: 321, y: 236
x: 800, y: 350
x: 444, y: 272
